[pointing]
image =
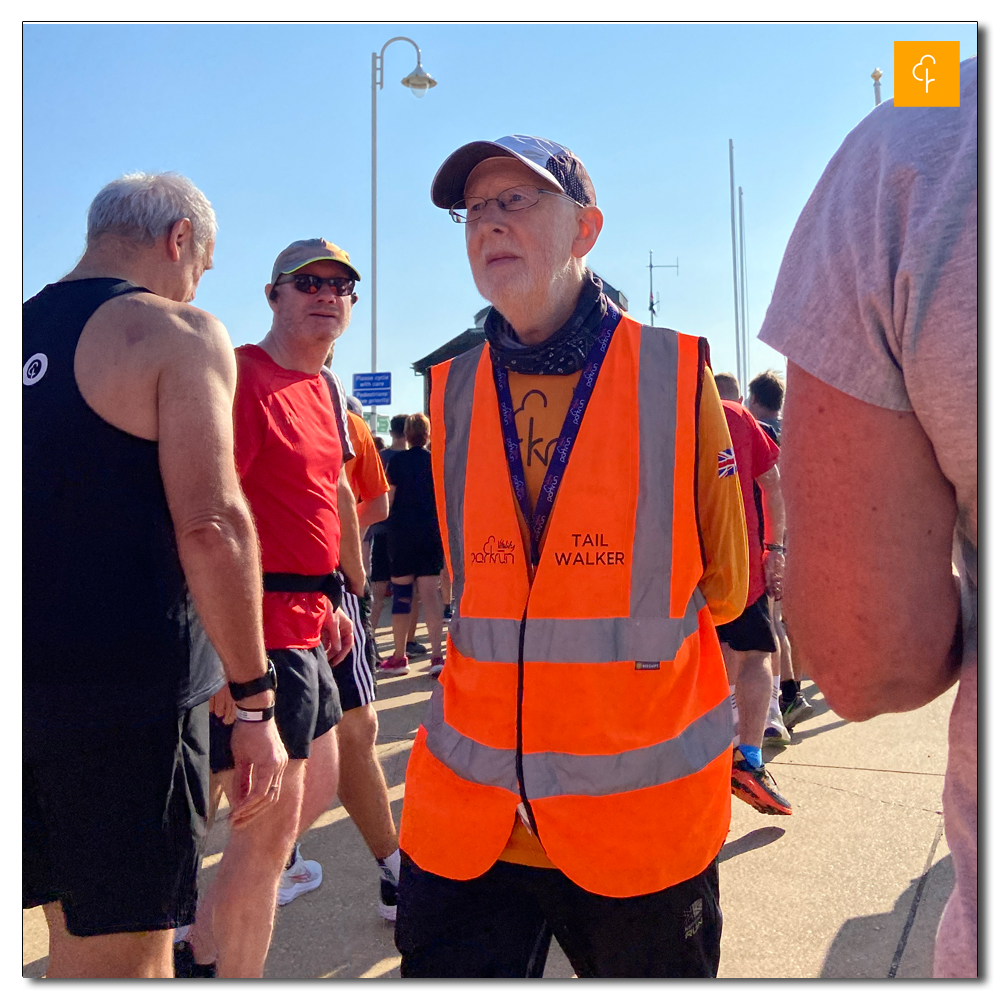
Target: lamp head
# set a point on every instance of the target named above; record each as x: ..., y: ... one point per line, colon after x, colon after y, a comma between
x: 419, y: 81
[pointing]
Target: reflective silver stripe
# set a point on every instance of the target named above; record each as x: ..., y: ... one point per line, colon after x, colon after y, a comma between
x: 458, y: 397
x: 550, y: 774
x: 653, y: 541
x: 576, y: 640
x: 468, y: 759
x: 489, y: 640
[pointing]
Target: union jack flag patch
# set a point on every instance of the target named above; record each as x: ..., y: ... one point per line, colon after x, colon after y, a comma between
x: 727, y: 463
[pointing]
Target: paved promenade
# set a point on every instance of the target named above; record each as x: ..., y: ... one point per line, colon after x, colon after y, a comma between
x: 851, y: 886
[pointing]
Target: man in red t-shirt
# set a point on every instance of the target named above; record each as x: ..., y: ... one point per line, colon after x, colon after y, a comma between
x: 291, y: 444
x: 748, y: 641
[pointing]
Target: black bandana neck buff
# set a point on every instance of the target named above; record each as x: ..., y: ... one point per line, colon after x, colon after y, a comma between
x: 565, y: 351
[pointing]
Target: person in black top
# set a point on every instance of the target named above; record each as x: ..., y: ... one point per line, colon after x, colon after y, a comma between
x: 139, y: 557
x: 415, y: 552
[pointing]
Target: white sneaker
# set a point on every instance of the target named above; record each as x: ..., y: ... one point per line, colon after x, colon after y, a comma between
x: 775, y: 732
x: 387, y: 892
x: 302, y: 876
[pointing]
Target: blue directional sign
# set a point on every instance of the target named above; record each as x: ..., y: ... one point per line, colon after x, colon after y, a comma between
x: 373, y: 388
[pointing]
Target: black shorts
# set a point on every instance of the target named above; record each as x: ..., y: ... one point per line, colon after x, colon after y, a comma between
x: 306, y: 705
x: 500, y: 924
x: 381, y: 570
x: 415, y: 551
x: 354, y: 675
x: 114, y: 822
x: 752, y: 631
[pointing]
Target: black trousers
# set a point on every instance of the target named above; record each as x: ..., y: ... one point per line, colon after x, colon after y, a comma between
x: 501, y: 924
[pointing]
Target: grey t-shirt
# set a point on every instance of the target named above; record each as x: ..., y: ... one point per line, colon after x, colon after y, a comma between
x: 876, y: 296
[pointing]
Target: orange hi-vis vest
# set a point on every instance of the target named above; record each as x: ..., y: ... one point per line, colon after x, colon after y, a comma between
x: 593, y: 695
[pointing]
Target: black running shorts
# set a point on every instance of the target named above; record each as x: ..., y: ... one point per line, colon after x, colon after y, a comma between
x: 114, y: 822
x: 415, y: 551
x: 306, y: 705
x: 752, y: 631
x: 355, y: 674
x: 500, y: 924
x: 381, y: 570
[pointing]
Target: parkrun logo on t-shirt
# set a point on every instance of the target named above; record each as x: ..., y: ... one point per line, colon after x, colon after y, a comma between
x: 495, y: 552
x: 926, y: 74
x: 593, y: 550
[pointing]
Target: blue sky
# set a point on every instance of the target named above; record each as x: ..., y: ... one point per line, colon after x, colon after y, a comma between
x: 273, y: 123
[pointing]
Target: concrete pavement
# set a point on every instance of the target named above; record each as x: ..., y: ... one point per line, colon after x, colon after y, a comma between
x: 850, y: 886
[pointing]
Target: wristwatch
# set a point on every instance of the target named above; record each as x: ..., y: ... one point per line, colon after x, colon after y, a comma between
x: 774, y: 547
x: 268, y: 681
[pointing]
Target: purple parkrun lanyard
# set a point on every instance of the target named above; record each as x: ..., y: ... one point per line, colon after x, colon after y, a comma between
x: 567, y: 437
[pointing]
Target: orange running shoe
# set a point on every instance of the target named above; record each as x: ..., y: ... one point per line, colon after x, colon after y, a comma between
x: 757, y: 788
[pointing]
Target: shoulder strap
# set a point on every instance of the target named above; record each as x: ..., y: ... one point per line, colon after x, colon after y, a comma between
x: 339, y: 399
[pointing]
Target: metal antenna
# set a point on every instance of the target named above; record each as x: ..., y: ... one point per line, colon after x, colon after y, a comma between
x: 652, y: 306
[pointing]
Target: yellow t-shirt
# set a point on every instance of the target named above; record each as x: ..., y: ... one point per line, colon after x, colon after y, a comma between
x: 540, y: 405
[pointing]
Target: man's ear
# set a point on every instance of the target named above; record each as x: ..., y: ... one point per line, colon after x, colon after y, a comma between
x: 180, y: 236
x: 271, y: 292
x: 589, y: 223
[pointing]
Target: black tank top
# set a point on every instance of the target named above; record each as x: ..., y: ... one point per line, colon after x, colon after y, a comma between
x: 110, y: 632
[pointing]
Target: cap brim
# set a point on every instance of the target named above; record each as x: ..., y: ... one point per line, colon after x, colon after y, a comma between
x: 448, y: 186
x: 312, y: 260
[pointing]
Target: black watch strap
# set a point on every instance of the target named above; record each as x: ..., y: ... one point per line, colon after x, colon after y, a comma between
x: 772, y: 547
x: 267, y: 681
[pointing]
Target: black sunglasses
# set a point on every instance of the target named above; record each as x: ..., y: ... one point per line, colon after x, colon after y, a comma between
x: 310, y: 284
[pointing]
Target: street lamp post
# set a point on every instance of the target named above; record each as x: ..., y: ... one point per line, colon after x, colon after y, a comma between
x: 419, y: 82
x: 877, y: 76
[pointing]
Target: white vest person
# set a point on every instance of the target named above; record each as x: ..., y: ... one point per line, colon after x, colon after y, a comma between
x: 572, y: 775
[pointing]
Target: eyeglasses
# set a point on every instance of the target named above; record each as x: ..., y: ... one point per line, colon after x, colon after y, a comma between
x: 310, y: 284
x: 514, y: 199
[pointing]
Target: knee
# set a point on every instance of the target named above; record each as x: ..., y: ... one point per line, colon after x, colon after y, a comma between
x: 272, y: 832
x: 358, y: 730
x: 402, y: 598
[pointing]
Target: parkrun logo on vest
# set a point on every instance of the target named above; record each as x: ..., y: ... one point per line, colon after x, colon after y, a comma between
x: 495, y: 553
x: 592, y: 550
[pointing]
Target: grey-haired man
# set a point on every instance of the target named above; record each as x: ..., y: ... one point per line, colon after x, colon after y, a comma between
x: 134, y: 529
x: 536, y: 803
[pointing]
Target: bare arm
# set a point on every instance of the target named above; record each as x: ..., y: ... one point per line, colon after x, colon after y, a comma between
x: 372, y: 511
x: 216, y: 540
x: 774, y: 529
x: 870, y: 601
x: 350, y: 537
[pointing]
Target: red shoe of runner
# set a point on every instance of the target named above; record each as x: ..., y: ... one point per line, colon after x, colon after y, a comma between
x: 394, y: 666
x: 757, y: 788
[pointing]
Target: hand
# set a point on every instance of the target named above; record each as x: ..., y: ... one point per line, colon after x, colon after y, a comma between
x: 337, y: 636
x: 774, y: 572
x: 222, y: 704
x: 260, y: 759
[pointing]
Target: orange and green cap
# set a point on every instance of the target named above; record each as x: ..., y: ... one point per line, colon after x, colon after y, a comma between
x: 303, y: 252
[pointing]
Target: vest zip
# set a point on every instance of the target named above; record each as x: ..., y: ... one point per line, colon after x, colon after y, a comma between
x: 518, y: 752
